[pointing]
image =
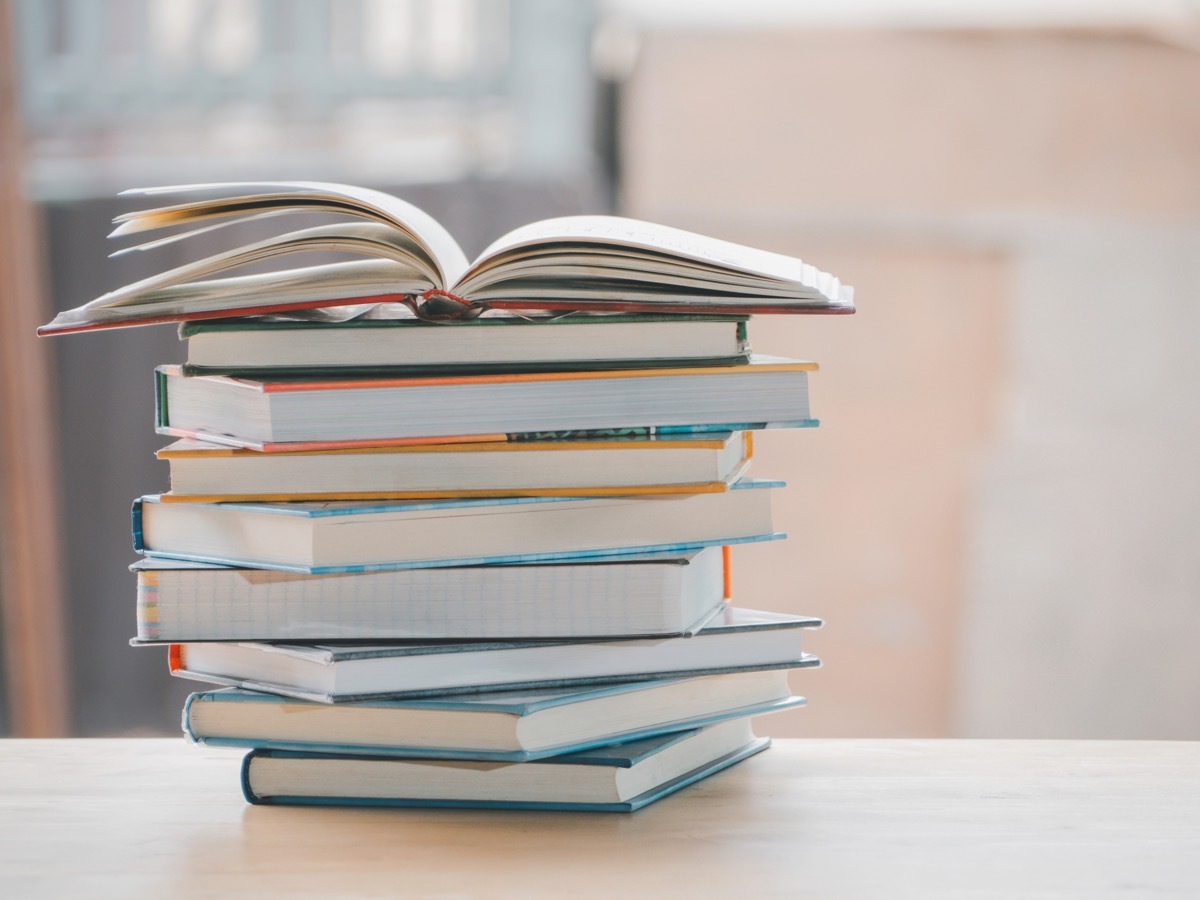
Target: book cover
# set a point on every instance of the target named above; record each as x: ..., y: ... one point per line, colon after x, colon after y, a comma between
x: 327, y: 537
x: 441, y: 409
x: 643, y: 594
x: 740, y: 639
x: 202, y: 471
x: 299, y: 778
x: 281, y: 723
x: 395, y: 345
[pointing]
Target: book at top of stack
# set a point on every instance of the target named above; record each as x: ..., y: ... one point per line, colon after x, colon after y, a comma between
x: 458, y: 533
x: 594, y: 263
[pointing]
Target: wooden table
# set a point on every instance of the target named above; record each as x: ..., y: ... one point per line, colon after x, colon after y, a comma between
x: 821, y: 818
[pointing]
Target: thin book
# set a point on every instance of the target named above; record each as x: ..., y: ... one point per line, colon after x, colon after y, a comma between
x: 740, y: 639
x: 621, y: 596
x: 336, y: 536
x: 616, y: 466
x: 392, y: 341
x: 331, y: 412
x: 617, y: 778
x: 498, y: 726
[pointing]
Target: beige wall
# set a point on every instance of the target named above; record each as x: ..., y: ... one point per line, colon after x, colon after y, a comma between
x: 975, y: 518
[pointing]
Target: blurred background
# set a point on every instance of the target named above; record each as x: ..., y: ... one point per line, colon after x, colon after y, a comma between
x: 999, y: 517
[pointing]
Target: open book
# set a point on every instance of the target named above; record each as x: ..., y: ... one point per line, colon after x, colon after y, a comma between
x: 596, y: 263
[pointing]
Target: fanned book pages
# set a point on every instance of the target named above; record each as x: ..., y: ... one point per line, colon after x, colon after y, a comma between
x: 738, y: 640
x: 617, y: 778
x: 655, y: 594
x: 604, y: 263
x: 509, y: 726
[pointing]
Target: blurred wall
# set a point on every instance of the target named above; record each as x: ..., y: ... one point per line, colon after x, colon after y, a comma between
x: 487, y: 115
x: 999, y: 517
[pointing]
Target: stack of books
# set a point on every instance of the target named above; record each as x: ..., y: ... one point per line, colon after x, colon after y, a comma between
x: 483, y: 562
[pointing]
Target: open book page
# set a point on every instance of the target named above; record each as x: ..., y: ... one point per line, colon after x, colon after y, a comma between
x: 584, y: 263
x: 333, y: 285
x: 369, y: 239
x: 660, y: 242
x: 652, y: 272
x: 253, y: 200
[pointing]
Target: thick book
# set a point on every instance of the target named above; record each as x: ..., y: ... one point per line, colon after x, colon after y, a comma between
x: 680, y: 464
x: 737, y: 640
x: 401, y: 254
x: 377, y: 410
x: 617, y: 778
x: 406, y: 344
x: 502, y: 726
x: 655, y: 594
x: 337, y: 536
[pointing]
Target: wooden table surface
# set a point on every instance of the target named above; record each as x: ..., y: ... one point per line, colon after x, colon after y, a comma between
x: 814, y: 818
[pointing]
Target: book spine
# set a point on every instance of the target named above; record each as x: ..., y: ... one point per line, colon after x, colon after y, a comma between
x: 162, y: 418
x: 247, y: 791
x: 136, y: 516
x: 186, y: 724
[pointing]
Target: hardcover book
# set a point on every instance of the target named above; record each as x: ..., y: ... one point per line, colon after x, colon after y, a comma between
x: 679, y: 464
x: 617, y: 778
x: 297, y: 412
x: 337, y: 536
x: 401, y: 254
x: 737, y: 640
x: 401, y: 343
x: 656, y: 594
x: 503, y: 726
